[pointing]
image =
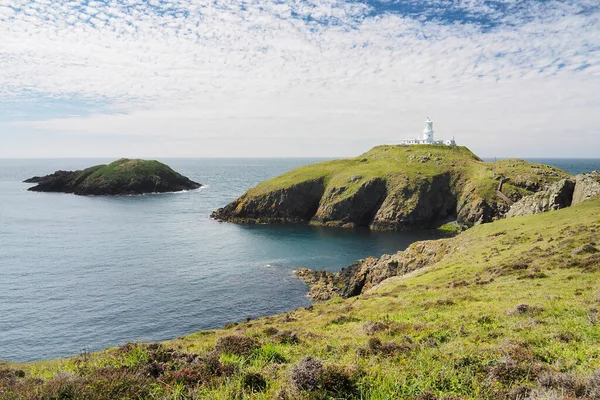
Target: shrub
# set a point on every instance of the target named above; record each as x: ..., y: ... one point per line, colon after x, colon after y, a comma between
x: 254, y: 382
x: 306, y: 375
x: 234, y: 344
x: 564, y: 382
x: 343, y: 319
x: 527, y: 309
x: 310, y: 375
x: 335, y: 380
x: 188, y: 376
x: 115, y: 383
x: 270, y: 331
x: 287, y: 337
x: 373, y: 327
x: 59, y: 388
x: 8, y: 377
x: 388, y: 349
x: 507, y: 370
x: 592, y: 385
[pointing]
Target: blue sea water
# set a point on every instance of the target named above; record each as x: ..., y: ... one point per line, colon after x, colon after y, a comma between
x: 90, y: 272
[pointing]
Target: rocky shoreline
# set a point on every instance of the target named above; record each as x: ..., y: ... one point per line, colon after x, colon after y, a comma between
x: 368, y: 273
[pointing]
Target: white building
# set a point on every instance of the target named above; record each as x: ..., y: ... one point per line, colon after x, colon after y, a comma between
x: 427, y: 137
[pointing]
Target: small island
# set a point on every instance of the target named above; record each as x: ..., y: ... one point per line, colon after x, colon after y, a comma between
x: 122, y: 177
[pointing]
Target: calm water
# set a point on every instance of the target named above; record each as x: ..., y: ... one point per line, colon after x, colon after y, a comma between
x: 90, y: 272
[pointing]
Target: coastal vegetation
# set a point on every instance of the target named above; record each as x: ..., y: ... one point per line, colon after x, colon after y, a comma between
x: 509, y: 310
x: 392, y: 188
x: 122, y: 177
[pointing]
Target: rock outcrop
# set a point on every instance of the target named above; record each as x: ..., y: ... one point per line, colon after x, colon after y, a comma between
x: 554, y: 197
x: 392, y: 188
x: 367, y: 273
x: 561, y: 194
x: 122, y: 177
x: 587, y: 186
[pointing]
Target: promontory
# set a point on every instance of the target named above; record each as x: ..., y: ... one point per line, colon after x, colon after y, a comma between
x: 122, y: 177
x: 394, y: 187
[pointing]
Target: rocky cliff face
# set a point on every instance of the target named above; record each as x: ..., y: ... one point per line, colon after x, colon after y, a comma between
x: 367, y: 273
x: 561, y: 194
x: 391, y: 188
x: 297, y: 203
x: 587, y: 186
x: 553, y: 197
x: 123, y: 177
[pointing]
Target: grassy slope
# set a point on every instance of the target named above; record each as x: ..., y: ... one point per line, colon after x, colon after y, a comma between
x: 451, y: 329
x: 125, y: 169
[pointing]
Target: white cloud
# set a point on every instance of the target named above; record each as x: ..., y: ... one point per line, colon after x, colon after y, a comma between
x: 197, y: 70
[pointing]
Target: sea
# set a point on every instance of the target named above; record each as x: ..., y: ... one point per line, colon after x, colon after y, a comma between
x: 80, y: 274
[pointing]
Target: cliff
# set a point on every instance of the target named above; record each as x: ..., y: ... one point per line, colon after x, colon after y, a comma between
x: 122, y: 177
x: 392, y: 188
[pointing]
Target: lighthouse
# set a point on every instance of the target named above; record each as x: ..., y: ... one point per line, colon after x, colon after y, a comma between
x: 427, y: 137
x: 428, y: 132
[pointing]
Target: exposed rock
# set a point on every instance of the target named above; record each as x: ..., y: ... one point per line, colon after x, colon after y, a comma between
x: 367, y: 273
x: 587, y: 186
x: 357, y: 209
x: 35, y: 179
x: 297, y: 203
x: 554, y: 197
x: 122, y: 177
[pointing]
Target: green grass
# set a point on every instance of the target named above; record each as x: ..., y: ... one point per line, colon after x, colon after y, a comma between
x: 125, y: 170
x: 515, y: 301
x: 384, y: 162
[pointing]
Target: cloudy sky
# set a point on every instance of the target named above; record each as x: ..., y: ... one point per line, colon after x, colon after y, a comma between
x: 155, y: 78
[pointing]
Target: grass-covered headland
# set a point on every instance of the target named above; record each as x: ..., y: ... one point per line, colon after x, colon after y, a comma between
x: 393, y: 187
x: 511, y: 313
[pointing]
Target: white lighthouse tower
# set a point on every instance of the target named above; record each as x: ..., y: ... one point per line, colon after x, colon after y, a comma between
x: 428, y: 132
x: 427, y: 137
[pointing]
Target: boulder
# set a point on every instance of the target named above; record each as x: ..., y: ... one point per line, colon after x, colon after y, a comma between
x: 587, y: 186
x: 553, y: 197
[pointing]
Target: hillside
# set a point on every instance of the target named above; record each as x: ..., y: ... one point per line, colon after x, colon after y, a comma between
x: 393, y: 188
x: 121, y: 177
x: 509, y: 312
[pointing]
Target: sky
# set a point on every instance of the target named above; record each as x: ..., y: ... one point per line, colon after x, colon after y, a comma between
x: 297, y: 78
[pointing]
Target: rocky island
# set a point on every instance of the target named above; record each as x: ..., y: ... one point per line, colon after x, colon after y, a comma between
x: 394, y: 188
x: 122, y: 177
